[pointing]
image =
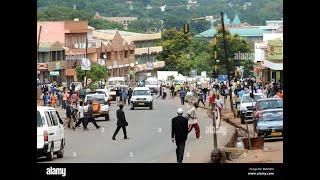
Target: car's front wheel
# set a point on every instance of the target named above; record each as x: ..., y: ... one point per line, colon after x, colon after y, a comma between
x: 50, y: 154
x: 132, y: 107
x: 151, y: 106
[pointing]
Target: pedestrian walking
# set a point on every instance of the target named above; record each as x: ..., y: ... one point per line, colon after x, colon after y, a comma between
x: 74, y: 99
x: 81, y: 117
x: 179, y: 133
x: 172, y: 91
x: 124, y: 96
x: 182, y: 94
x: 121, y: 123
x: 200, y: 96
x: 160, y: 91
x: 64, y: 99
x: 219, y: 104
x: 194, y: 121
x: 90, y: 117
x: 47, y: 99
x: 53, y: 99
x: 69, y: 120
x: 205, y: 91
x: 130, y: 92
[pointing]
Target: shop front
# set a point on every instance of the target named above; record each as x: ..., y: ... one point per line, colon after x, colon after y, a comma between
x: 42, y: 72
x: 148, y: 70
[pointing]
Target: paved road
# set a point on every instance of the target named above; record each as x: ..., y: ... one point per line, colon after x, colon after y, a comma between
x: 150, y: 138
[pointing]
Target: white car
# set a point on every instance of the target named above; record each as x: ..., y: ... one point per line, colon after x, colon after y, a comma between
x: 78, y: 86
x: 245, y: 102
x: 141, y: 97
x: 105, y: 92
x: 50, y: 133
x: 104, y: 107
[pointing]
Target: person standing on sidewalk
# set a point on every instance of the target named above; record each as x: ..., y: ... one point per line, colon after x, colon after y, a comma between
x: 194, y: 121
x: 179, y: 133
x: 121, y: 123
x: 90, y: 117
x: 182, y: 94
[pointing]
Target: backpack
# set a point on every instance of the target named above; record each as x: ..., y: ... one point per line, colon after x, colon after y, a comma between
x: 95, y: 106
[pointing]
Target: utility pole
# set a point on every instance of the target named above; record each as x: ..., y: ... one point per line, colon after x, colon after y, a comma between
x: 227, y: 62
x: 85, y: 71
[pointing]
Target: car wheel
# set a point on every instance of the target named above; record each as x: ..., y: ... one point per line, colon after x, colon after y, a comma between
x: 151, y: 107
x: 61, y: 151
x: 107, y: 117
x: 50, y: 154
x: 132, y: 107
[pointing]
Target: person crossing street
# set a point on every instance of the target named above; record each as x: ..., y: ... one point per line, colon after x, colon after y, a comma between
x: 182, y: 94
x: 121, y: 123
x: 194, y: 121
x: 179, y: 133
x: 90, y: 117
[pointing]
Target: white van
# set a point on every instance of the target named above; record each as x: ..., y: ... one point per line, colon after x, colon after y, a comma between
x: 152, y: 84
x: 50, y: 133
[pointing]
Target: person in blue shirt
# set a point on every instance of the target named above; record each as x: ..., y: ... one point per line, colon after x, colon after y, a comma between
x: 47, y: 99
x: 182, y: 94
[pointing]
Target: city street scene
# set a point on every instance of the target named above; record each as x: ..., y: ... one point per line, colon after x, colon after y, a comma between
x: 169, y: 81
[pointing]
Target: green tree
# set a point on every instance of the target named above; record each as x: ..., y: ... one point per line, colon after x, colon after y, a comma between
x: 96, y: 73
x: 235, y: 45
x: 102, y: 24
x: 173, y: 43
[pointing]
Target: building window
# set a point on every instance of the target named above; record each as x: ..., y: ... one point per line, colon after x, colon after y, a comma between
x: 131, y: 52
x: 125, y: 54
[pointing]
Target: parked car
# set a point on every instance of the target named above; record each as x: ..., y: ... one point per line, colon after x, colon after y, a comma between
x: 141, y: 97
x: 270, y: 123
x: 245, y: 102
x: 50, y: 133
x: 266, y: 104
x: 104, y: 106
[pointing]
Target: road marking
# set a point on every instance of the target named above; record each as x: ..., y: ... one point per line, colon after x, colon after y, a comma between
x: 131, y: 154
x: 74, y: 154
x: 159, y: 130
x: 102, y: 130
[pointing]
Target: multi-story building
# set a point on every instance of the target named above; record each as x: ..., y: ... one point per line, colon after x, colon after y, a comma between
x: 244, y: 30
x: 145, y: 51
x: 120, y: 20
x: 51, y: 62
x: 272, y: 26
x: 74, y: 36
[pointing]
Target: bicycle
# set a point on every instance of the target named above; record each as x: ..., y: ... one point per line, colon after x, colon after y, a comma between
x: 216, y: 112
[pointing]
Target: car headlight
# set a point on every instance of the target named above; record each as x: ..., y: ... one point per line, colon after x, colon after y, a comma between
x: 242, y: 108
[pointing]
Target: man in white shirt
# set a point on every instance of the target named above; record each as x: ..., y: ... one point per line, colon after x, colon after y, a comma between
x: 193, y: 122
x: 81, y: 118
x: 219, y: 104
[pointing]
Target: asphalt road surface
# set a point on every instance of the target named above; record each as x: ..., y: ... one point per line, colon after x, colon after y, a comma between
x: 149, y: 132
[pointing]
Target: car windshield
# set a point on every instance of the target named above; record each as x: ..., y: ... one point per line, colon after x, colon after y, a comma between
x: 39, y: 120
x: 248, y: 99
x: 111, y: 83
x: 141, y: 92
x: 178, y: 81
x: 97, y: 97
x: 151, y: 83
x: 270, y: 104
x: 272, y: 116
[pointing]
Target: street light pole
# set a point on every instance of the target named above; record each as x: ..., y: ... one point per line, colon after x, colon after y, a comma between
x: 227, y: 62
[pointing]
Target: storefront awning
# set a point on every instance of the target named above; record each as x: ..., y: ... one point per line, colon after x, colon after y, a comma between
x: 271, y: 65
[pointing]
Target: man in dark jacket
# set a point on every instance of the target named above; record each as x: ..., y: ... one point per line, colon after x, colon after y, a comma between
x: 90, y: 117
x: 69, y: 120
x: 121, y: 123
x: 179, y: 134
x: 182, y: 94
x: 129, y: 95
